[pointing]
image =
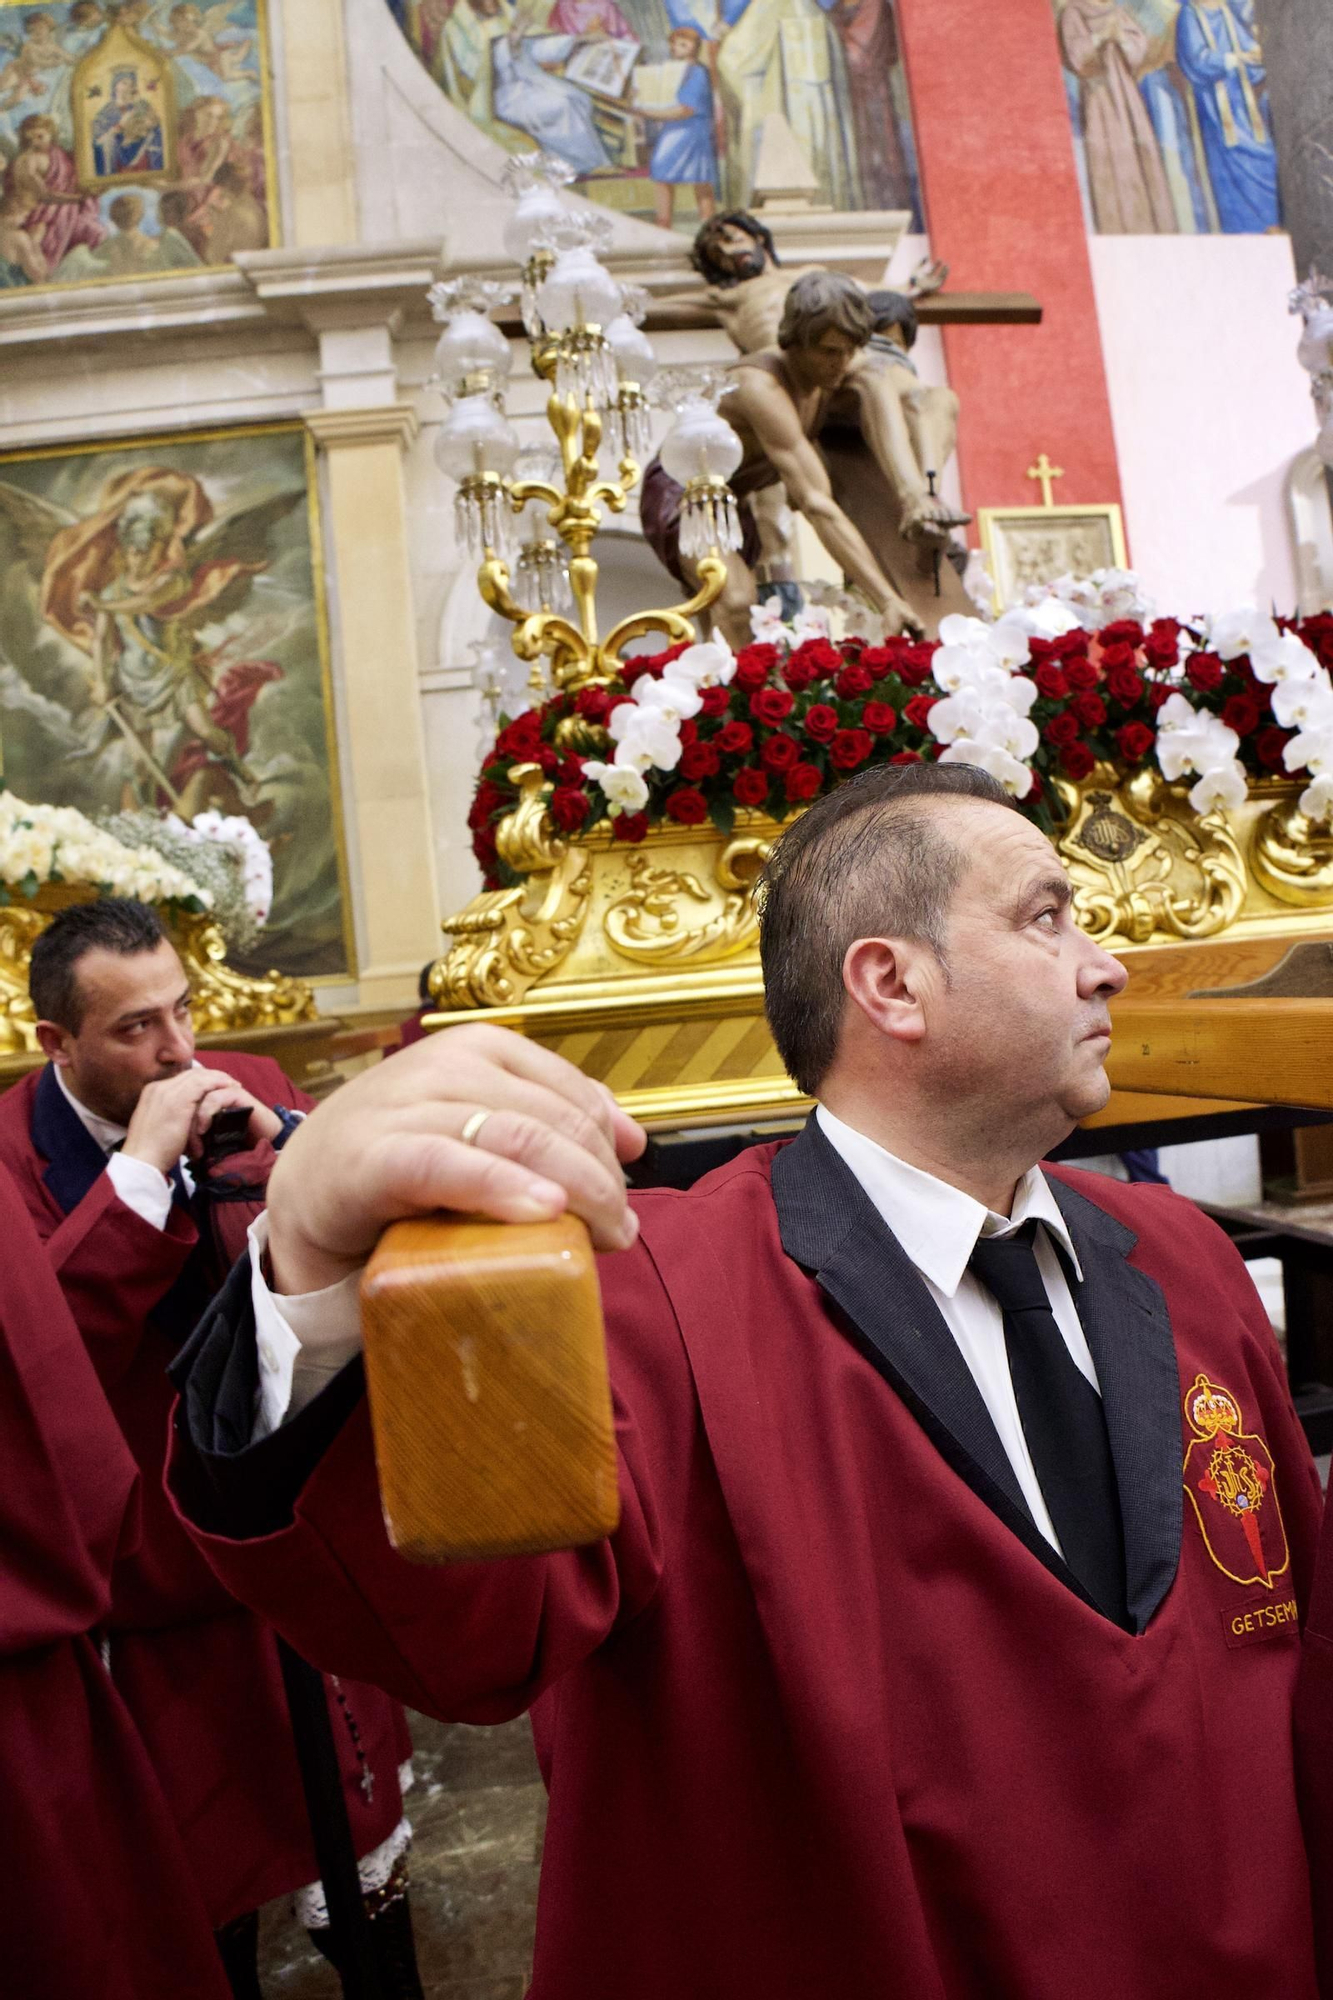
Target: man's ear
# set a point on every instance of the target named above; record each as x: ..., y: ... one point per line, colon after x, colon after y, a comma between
x: 53, y: 1041
x: 883, y: 978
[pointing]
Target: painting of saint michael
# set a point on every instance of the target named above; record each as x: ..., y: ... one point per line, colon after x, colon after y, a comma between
x: 163, y: 651
x: 658, y: 105
x: 134, y: 139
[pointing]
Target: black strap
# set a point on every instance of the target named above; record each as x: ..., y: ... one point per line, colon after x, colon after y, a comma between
x: 1063, y: 1421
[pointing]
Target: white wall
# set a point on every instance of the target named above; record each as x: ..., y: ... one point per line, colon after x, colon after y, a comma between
x: 1210, y: 408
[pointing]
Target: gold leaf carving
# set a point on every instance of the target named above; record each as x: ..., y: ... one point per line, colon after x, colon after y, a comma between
x: 1144, y: 864
x: 1291, y: 857
x: 651, y: 922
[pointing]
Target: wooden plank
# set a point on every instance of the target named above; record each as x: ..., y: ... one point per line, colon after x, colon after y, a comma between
x: 1141, y: 1107
x: 1259, y: 1051
x: 979, y: 309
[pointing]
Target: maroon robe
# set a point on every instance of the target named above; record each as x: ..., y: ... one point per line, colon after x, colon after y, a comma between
x: 826, y: 1715
x: 198, y: 1674
x: 95, y: 1894
x: 1314, y: 1747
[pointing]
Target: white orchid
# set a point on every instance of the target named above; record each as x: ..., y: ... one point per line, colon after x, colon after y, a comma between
x: 674, y: 700
x: 1231, y: 633
x: 644, y: 737
x: 955, y: 667
x: 1316, y: 801
x: 1284, y: 657
x: 1219, y: 789
x: 1191, y: 739
x: 993, y: 757
x: 711, y: 664
x: 812, y: 621
x: 1303, y: 704
x: 767, y: 624
x: 623, y: 787
x: 958, y: 630
x: 1048, y: 617
x: 1312, y: 750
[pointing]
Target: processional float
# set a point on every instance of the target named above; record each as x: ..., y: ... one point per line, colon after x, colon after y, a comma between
x: 1184, y: 772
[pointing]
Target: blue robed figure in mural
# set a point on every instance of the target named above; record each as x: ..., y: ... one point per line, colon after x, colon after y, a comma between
x: 127, y: 132
x: 1218, y: 50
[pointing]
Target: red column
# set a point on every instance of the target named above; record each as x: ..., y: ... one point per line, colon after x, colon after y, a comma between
x: 1002, y: 205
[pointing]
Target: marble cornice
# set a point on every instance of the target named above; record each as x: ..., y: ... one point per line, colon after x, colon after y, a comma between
x: 382, y: 423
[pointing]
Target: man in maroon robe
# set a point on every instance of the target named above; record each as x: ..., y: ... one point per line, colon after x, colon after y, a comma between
x: 947, y: 1643
x: 97, y: 1898
x: 100, y: 1143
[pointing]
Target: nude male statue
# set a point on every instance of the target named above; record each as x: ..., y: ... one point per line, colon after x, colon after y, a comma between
x: 779, y: 402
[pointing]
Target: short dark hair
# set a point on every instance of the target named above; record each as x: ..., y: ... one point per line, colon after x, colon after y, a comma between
x: 704, y: 255
x: 894, y: 309
x: 112, y: 923
x: 870, y: 858
x: 820, y: 300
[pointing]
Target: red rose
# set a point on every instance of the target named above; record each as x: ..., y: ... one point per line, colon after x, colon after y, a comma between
x: 630, y: 826
x: 1269, y: 745
x: 689, y: 730
x: 716, y: 700
x: 753, y: 666
x: 1081, y: 674
x: 1090, y: 710
x: 879, y: 718
x: 1125, y: 684
x: 906, y: 757
x: 644, y: 666
x: 814, y: 660
x: 802, y: 781
x: 1134, y: 741
x: 687, y: 805
x: 571, y: 770
x: 1241, y: 714
x: 484, y: 848
x: 548, y: 759
x: 1076, y: 761
x: 488, y: 801
x: 854, y: 681
x: 699, y: 760
x: 849, y: 748
x: 1035, y: 789
x: 820, y: 722
x: 1061, y: 729
x: 917, y: 711
x: 878, y: 661
x: 569, y: 808
x: 1158, y: 692
x: 517, y: 742
x: 750, y: 786
x: 734, y: 738
x: 771, y: 706
x: 593, y: 704
x: 1205, y: 672
x: 780, y: 753
x: 914, y: 662
x: 1051, y: 681
x: 1121, y: 632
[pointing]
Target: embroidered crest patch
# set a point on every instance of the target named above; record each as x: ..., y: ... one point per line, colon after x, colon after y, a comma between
x: 1229, y: 1477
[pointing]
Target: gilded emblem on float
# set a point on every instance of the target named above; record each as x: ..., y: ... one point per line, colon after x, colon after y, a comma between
x: 1229, y: 1477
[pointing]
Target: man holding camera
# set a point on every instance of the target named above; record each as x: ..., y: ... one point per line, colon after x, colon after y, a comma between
x: 141, y: 1168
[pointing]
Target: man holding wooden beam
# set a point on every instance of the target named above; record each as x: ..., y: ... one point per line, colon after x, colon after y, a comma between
x: 948, y: 1641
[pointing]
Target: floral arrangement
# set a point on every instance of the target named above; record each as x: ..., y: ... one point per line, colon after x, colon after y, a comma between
x: 40, y: 844
x: 1081, y: 674
x: 222, y: 853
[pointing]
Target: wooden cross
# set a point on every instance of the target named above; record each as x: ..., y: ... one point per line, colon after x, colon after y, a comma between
x: 1047, y: 474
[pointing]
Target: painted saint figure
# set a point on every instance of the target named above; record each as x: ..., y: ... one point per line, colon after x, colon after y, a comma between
x: 1218, y: 50
x: 684, y: 151
x: 127, y: 131
x: 1106, y: 49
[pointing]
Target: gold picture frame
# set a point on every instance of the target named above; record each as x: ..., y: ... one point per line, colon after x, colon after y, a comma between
x: 1035, y: 545
x: 184, y: 452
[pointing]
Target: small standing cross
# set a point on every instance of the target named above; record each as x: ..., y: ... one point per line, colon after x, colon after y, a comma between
x: 1047, y: 474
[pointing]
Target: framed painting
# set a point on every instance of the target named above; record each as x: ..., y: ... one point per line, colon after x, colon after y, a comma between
x: 657, y: 105
x: 164, y: 648
x: 1035, y: 545
x: 136, y: 139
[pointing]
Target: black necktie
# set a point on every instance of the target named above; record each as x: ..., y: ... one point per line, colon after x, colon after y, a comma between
x: 1063, y: 1420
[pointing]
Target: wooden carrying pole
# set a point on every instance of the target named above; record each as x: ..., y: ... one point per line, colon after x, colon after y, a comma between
x: 489, y: 1398
x: 1261, y: 1051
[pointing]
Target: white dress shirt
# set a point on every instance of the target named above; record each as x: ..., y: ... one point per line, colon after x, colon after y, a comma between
x: 304, y: 1341
x: 938, y: 1226
x: 137, y: 1183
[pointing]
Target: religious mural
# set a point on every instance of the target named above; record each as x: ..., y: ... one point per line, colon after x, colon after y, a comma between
x: 164, y: 649
x: 133, y: 138
x: 1169, y: 105
x: 658, y: 104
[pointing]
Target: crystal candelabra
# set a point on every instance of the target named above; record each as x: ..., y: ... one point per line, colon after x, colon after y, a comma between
x: 527, y: 515
x: 1314, y: 302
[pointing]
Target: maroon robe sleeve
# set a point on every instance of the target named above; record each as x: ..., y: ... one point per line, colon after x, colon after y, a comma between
x: 1314, y: 1748
x: 114, y: 1268
x: 472, y: 1642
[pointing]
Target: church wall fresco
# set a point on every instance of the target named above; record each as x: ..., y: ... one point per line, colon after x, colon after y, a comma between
x: 164, y: 648
x: 1170, y: 112
x: 658, y: 104
x: 135, y: 139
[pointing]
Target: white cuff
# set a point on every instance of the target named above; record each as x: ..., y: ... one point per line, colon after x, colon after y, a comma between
x: 141, y: 1187
x: 302, y: 1342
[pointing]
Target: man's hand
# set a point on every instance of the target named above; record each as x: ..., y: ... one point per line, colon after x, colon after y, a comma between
x: 389, y: 1145
x: 172, y: 1116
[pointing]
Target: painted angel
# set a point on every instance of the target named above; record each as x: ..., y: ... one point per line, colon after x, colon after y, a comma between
x: 211, y: 48
x: 131, y: 587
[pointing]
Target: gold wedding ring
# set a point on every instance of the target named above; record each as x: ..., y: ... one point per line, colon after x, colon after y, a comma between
x: 473, y: 1126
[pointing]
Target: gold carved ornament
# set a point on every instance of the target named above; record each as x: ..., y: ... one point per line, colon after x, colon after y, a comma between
x: 650, y: 923
x: 1291, y: 857
x: 1144, y: 864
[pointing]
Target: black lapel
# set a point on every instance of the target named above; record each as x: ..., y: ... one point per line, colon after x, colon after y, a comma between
x: 74, y: 1158
x: 829, y: 1224
x: 1128, y: 1329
